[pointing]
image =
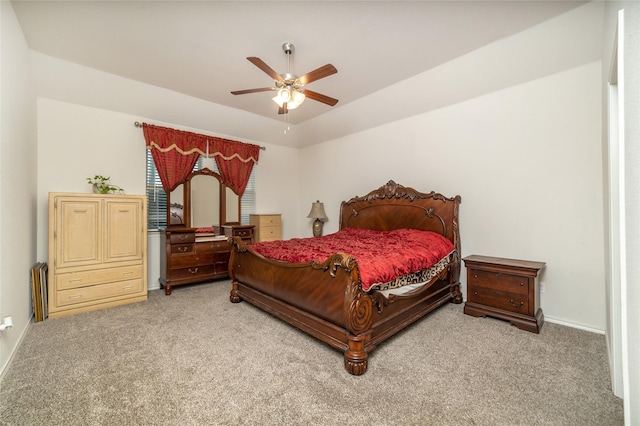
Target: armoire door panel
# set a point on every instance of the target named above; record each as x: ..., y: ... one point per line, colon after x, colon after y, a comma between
x: 124, y: 239
x: 78, y: 233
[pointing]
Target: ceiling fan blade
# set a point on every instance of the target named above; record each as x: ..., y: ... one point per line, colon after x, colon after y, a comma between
x: 264, y: 67
x: 317, y: 74
x: 262, y: 89
x: 283, y: 109
x: 320, y: 97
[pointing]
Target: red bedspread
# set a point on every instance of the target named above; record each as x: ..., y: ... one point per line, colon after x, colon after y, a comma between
x: 382, y: 256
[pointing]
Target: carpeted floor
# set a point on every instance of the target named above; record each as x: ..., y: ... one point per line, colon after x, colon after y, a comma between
x: 194, y: 358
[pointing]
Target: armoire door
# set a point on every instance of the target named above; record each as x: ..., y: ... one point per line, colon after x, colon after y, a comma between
x: 78, y: 232
x: 123, y: 230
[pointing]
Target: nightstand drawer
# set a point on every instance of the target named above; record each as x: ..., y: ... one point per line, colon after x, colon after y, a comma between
x: 512, y: 302
x: 498, y: 281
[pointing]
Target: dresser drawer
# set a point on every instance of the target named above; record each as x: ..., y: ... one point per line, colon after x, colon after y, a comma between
x: 513, y: 302
x: 193, y: 272
x: 270, y: 233
x: 98, y: 292
x: 498, y: 281
x: 213, y: 246
x: 181, y: 248
x: 182, y: 237
x: 87, y: 278
x: 266, y: 220
x: 191, y: 260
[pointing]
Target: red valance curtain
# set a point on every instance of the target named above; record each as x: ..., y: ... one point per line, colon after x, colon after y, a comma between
x: 175, y: 152
x: 235, y: 161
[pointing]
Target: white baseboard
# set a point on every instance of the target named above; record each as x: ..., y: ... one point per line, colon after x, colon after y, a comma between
x: 568, y: 324
x: 15, y: 349
x: 572, y: 325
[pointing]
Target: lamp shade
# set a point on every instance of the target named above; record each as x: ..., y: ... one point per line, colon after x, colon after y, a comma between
x: 317, y: 211
x: 293, y: 98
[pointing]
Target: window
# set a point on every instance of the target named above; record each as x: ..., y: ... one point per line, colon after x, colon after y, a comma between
x: 248, y: 200
x: 157, y: 198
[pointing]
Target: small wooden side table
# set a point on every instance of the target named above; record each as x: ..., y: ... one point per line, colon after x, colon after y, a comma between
x: 504, y: 288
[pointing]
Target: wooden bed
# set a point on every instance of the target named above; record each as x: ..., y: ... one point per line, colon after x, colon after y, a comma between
x: 326, y: 299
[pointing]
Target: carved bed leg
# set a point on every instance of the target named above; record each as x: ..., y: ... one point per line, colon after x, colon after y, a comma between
x: 457, y: 294
x: 234, y: 293
x: 356, y: 359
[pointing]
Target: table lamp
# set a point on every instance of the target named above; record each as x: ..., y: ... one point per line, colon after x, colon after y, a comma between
x: 317, y: 213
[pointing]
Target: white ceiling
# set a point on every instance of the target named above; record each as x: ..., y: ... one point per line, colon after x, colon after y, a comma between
x: 199, y: 48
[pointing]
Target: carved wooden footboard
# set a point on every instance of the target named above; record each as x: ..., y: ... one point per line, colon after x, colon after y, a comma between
x: 326, y: 299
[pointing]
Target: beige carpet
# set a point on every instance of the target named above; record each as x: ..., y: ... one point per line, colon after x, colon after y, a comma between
x: 194, y: 358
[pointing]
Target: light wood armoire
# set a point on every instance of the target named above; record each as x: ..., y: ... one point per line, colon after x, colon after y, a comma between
x: 97, y: 251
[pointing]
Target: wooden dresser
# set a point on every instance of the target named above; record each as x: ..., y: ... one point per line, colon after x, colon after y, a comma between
x: 504, y: 288
x: 188, y: 258
x: 268, y: 227
x: 97, y: 251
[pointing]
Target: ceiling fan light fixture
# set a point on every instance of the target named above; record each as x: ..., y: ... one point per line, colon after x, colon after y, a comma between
x: 292, y: 97
x: 298, y: 99
x: 284, y: 94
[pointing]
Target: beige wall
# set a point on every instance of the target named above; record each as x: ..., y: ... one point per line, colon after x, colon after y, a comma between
x: 18, y: 170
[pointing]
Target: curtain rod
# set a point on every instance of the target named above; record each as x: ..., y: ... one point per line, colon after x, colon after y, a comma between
x: 138, y: 124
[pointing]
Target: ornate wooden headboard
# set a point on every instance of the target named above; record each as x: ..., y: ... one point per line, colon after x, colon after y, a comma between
x: 394, y: 206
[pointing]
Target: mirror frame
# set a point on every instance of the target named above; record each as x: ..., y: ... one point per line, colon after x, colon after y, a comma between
x: 222, y: 201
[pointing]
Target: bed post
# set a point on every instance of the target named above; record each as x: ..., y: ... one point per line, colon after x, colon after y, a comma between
x: 233, y: 296
x: 356, y: 358
x: 456, y: 263
x: 454, y: 279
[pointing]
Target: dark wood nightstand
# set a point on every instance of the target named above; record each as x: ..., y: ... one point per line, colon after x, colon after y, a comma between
x: 243, y: 231
x: 505, y: 289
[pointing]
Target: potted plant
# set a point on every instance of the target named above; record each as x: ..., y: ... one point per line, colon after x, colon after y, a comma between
x: 101, y: 185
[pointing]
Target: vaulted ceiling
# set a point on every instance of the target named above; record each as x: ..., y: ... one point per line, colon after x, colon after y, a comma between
x: 199, y: 48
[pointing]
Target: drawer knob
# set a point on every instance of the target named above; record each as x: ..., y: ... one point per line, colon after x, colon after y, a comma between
x: 522, y: 284
x: 193, y: 270
x: 475, y: 292
x: 475, y: 276
x: 182, y: 249
x: 515, y: 305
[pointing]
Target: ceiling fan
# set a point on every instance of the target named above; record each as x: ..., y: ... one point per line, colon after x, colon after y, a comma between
x: 291, y: 91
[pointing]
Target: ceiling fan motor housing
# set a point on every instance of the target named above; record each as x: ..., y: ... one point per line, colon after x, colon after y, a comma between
x: 288, y: 48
